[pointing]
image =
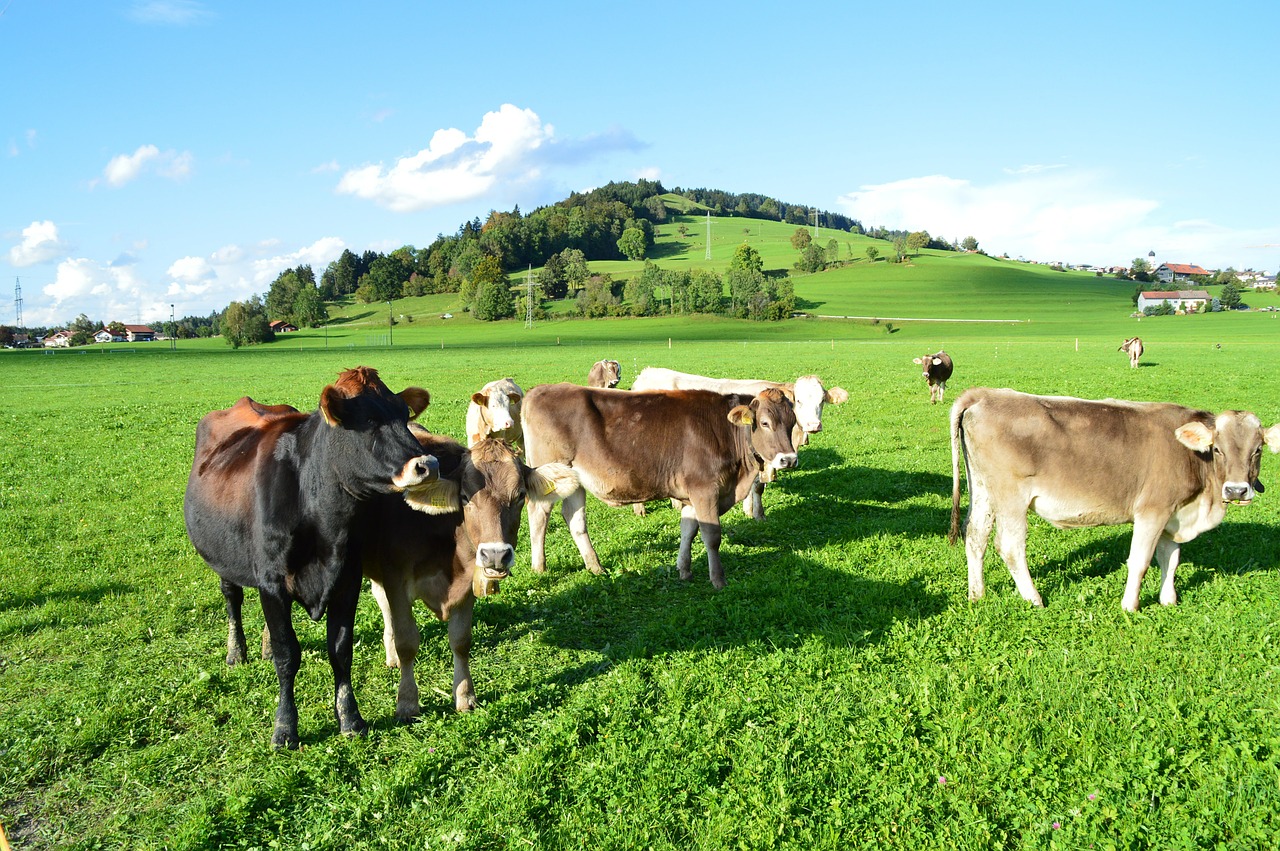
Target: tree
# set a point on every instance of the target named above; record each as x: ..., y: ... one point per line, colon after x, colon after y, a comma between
x: 493, y: 292
x: 1230, y: 296
x: 1140, y: 269
x: 969, y: 244
x: 552, y: 277
x: 308, y: 308
x: 917, y: 240
x: 282, y: 294
x: 656, y: 208
x: 632, y: 244
x: 872, y: 253
x: 745, y: 278
x: 117, y: 329
x: 597, y: 297
x: 245, y: 322
x: 812, y: 259
x: 640, y: 291
x: 801, y: 238
x: 706, y: 292
x: 575, y: 268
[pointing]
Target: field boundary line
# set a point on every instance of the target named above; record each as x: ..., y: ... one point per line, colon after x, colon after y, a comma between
x: 919, y: 319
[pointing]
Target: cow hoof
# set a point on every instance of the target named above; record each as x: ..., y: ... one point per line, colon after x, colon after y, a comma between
x: 408, y: 714
x: 361, y: 730
x: 1170, y: 601
x: 465, y: 704
x: 596, y: 569
x: 283, y: 738
x: 235, y: 657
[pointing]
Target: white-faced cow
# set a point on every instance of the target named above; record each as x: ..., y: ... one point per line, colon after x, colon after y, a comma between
x: 806, y: 393
x: 702, y: 448
x: 604, y: 373
x: 457, y: 545
x: 272, y: 503
x: 1133, y: 348
x: 495, y: 412
x: 1168, y: 470
x: 936, y: 369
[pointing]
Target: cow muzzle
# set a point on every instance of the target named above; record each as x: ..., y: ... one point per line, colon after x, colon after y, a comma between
x: 1237, y: 493
x: 495, y: 560
x: 424, y: 468
x: 781, y: 461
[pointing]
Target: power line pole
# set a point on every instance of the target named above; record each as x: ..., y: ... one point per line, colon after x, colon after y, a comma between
x: 708, y: 234
x: 528, y: 299
x: 17, y: 303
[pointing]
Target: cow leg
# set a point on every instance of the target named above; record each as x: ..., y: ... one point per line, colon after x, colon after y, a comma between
x: 574, y: 510
x: 638, y: 509
x: 688, y: 528
x: 340, y: 625
x: 942, y: 390
x: 539, y: 514
x: 464, y: 693
x: 977, y: 534
x: 1167, y: 553
x: 266, y: 642
x: 753, y: 505
x: 1146, y: 534
x: 286, y: 654
x: 236, y: 648
x: 1011, y: 540
x: 708, y: 526
x: 401, y: 630
x: 388, y: 619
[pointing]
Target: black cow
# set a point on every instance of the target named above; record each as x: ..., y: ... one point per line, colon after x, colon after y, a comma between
x: 271, y: 504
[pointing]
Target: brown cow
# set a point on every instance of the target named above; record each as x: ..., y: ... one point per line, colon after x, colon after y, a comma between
x: 937, y: 370
x: 1133, y: 348
x: 273, y: 502
x: 1167, y: 469
x: 604, y: 373
x: 702, y: 448
x: 455, y: 547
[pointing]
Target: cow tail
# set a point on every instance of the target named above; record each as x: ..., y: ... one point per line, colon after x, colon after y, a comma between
x: 957, y: 447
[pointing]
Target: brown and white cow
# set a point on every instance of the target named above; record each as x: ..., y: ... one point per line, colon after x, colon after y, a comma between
x: 456, y: 546
x: 937, y: 370
x: 495, y: 412
x: 702, y: 448
x: 806, y: 392
x: 1168, y: 470
x: 1133, y: 348
x: 604, y: 373
x: 273, y: 502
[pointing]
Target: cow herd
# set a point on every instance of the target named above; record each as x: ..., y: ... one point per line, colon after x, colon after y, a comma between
x: 301, y: 506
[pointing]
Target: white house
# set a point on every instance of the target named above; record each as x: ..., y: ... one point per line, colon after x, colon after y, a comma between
x: 58, y: 340
x: 1182, y: 301
x: 105, y: 336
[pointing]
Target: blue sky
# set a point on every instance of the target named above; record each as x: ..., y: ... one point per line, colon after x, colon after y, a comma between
x: 179, y: 152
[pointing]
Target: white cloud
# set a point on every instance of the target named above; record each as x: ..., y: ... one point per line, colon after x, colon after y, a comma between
x: 169, y: 12
x: 125, y: 168
x: 191, y: 271
x: 40, y: 244
x: 317, y: 255
x: 324, y: 168
x: 650, y: 173
x: 79, y: 279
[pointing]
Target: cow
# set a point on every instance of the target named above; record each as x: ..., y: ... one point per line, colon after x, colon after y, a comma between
x: 1168, y: 470
x: 702, y: 448
x: 495, y: 412
x: 604, y: 373
x: 272, y: 503
x: 936, y: 370
x: 456, y: 546
x: 1133, y: 348
x: 806, y: 392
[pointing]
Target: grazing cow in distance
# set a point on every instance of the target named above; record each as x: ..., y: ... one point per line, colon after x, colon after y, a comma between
x: 806, y: 392
x: 702, y: 448
x: 1133, y: 348
x: 936, y: 370
x: 272, y: 503
x: 456, y: 546
x: 1168, y: 470
x: 495, y: 412
x: 604, y: 373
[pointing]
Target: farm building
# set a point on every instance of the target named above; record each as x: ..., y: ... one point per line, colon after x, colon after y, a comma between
x: 280, y: 326
x: 58, y: 340
x: 1182, y: 301
x: 138, y: 334
x: 1167, y: 273
x: 105, y: 336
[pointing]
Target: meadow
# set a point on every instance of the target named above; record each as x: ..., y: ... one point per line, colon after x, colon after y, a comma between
x: 841, y: 692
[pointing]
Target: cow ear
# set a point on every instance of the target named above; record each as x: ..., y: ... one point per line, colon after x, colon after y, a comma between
x: 435, y: 497
x: 514, y: 398
x: 481, y: 399
x: 742, y: 416
x: 331, y: 405
x: 1195, y: 436
x: 837, y: 396
x: 550, y: 482
x: 417, y: 398
x: 937, y: 361
x: 918, y: 361
x: 1272, y: 438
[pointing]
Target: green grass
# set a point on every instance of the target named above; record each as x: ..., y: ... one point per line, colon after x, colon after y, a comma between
x: 840, y: 692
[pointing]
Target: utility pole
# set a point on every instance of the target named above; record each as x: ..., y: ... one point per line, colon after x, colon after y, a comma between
x: 391, y: 334
x: 173, y: 332
x: 528, y: 299
x: 708, y: 234
x: 17, y: 303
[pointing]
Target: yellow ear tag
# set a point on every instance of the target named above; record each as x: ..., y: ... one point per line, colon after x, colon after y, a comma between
x: 548, y: 488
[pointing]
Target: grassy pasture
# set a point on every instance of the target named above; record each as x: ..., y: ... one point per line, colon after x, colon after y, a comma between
x: 841, y: 692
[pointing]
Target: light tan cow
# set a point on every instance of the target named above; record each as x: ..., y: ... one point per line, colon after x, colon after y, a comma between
x: 495, y: 412
x: 1168, y: 470
x: 1133, y: 348
x: 604, y: 373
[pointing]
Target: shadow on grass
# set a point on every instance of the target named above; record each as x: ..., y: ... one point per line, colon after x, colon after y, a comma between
x: 36, y: 603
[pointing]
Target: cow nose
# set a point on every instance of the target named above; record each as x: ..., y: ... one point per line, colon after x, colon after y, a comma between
x: 424, y: 468
x: 787, y: 461
x: 1235, y: 492
x: 495, y: 559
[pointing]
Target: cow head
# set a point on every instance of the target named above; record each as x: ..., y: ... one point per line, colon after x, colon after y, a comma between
x: 606, y: 373
x: 368, y: 440
x: 809, y: 397
x: 771, y: 417
x: 1235, y: 440
x: 499, y: 401
x: 489, y: 488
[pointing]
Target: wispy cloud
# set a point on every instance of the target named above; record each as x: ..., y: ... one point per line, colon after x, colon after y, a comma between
x: 126, y: 168
x: 512, y: 146
x: 173, y: 13
x: 40, y: 244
